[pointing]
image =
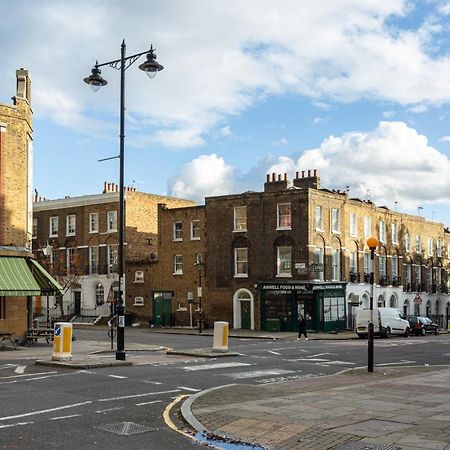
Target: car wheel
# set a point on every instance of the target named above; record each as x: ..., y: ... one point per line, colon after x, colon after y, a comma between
x: 387, y: 333
x: 407, y: 331
x: 423, y: 332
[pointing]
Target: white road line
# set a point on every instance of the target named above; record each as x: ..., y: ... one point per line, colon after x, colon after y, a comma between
x: 320, y: 354
x: 136, y: 395
x: 36, y: 378
x: 7, y: 366
x: 117, y: 376
x: 65, y: 417
x: 28, y: 375
x: 108, y: 409
x: 44, y: 411
x: 258, y: 373
x: 395, y: 363
x: 308, y: 360
x: 16, y: 424
x: 184, y: 388
x: 20, y: 369
x: 338, y: 363
x: 148, y: 403
x: 151, y: 382
x: 215, y: 366
x: 274, y: 353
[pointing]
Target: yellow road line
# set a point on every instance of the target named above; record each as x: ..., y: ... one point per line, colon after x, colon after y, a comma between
x: 168, y: 420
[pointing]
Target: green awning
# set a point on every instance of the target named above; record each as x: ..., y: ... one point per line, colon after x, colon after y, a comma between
x: 21, y: 276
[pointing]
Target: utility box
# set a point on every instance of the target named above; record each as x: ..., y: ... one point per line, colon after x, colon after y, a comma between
x: 62, y: 342
x: 220, y: 337
x: 273, y: 325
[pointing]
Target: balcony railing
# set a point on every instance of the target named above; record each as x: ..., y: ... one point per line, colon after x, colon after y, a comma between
x: 354, y: 277
x: 396, y: 281
x: 384, y: 280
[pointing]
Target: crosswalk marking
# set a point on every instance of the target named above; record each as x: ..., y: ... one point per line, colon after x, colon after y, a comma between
x: 215, y: 366
x: 258, y: 373
x: 117, y: 376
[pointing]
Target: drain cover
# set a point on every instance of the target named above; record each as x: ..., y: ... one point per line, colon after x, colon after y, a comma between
x: 126, y: 428
x: 360, y: 445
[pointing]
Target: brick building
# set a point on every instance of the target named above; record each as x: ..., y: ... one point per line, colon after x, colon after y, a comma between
x: 299, y: 248
x: 21, y: 278
x: 81, y: 236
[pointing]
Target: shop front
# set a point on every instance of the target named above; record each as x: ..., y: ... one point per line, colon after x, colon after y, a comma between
x: 321, y: 303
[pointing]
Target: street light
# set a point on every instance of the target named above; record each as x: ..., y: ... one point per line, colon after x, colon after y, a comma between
x: 372, y: 243
x: 199, y: 265
x: 96, y: 81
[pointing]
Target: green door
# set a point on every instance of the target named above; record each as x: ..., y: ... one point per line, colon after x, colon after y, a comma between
x: 162, y: 309
x: 245, y: 315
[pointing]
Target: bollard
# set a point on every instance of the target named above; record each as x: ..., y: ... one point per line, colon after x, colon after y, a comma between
x: 62, y: 342
x: 220, y: 337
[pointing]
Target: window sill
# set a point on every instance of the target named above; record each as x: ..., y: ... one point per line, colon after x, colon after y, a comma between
x: 284, y: 275
x: 70, y: 234
x: 177, y: 273
x: 177, y: 240
x: 195, y: 238
x: 112, y: 231
x: 52, y: 235
x: 335, y: 232
x: 284, y: 228
x: 240, y: 231
x: 184, y: 309
x: 93, y: 232
x: 241, y: 275
x: 320, y: 229
x: 138, y: 281
x: 138, y: 304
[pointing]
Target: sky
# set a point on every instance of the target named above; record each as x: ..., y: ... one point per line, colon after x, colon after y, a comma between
x: 358, y: 89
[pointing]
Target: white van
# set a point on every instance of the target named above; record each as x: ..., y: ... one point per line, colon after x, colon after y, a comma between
x: 386, y: 321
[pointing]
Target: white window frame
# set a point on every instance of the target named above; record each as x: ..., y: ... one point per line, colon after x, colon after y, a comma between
x: 408, y: 273
x: 382, y: 265
x: 177, y: 264
x: 418, y: 244
x: 439, y: 248
x: 240, y: 218
x: 112, y: 221
x: 93, y: 259
x: 353, y: 262
x: 394, y: 267
x: 53, y: 226
x: 112, y: 249
x: 71, y: 224
x: 430, y: 247
x: 139, y: 276
x: 138, y: 301
x: 335, y: 220
x: 282, y: 216
x: 408, y: 242
x: 394, y: 231
x: 178, y: 231
x: 93, y: 222
x: 336, y: 264
x: 285, y: 271
x: 367, y: 226
x: 353, y: 225
x: 99, y: 294
x: 241, y: 259
x: 367, y: 264
x: 319, y: 218
x: 382, y: 231
x: 70, y: 253
x: 318, y: 259
x: 195, y: 230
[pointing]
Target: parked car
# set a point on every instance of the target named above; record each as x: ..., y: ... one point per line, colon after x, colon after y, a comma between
x: 386, y: 321
x: 423, y: 325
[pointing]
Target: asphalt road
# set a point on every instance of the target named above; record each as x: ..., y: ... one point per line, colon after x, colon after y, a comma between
x: 46, y: 408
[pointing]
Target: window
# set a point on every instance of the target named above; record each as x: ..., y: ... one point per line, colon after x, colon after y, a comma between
x: 240, y: 218
x: 394, y: 230
x: 408, y: 273
x: 367, y: 264
x: 198, y: 259
x: 418, y: 244
x: 138, y: 301
x: 54, y: 256
x: 335, y: 221
x: 54, y: 224
x: 284, y: 261
x: 353, y: 262
x: 2, y: 308
x: 418, y: 274
x: 70, y: 257
x: 112, y: 221
x: 93, y: 260
x: 195, y: 230
x: 319, y: 219
x: 382, y: 262
x: 430, y: 246
x: 318, y: 259
x: 382, y: 231
x: 93, y: 223
x: 112, y: 258
x: 407, y: 242
x: 139, y: 276
x: 283, y: 216
x: 70, y: 225
x: 35, y: 227
x: 178, y: 231
x: 336, y: 264
x: 439, y: 248
x: 394, y: 267
x: 178, y: 265
x: 99, y: 294
x: 353, y: 225
x: 240, y: 262
x: 438, y: 277
x: 367, y: 227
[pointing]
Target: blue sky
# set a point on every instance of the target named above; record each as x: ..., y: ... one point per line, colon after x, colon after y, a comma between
x: 359, y: 89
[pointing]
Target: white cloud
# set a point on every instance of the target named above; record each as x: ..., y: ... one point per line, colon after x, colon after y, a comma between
x: 444, y: 139
x: 388, y: 114
x: 318, y: 120
x: 207, y: 175
x: 220, y: 62
x: 394, y: 162
x: 283, y: 142
x: 225, y: 131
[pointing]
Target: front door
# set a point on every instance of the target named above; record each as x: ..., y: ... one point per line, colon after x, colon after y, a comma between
x: 245, y: 315
x: 77, y: 302
x: 162, y: 309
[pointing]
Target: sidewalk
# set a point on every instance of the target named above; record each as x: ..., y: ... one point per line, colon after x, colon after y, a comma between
x: 393, y: 408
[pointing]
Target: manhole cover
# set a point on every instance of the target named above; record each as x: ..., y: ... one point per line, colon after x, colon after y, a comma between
x: 126, y: 428
x: 359, y: 445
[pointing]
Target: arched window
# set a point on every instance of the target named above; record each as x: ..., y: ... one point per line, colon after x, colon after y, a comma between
x: 99, y: 294
x: 406, y: 307
x: 393, y: 301
x: 428, y: 309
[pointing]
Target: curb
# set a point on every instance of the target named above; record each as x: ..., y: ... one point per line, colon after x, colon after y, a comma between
x: 82, y: 365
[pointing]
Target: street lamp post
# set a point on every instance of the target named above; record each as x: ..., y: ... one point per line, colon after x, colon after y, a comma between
x: 96, y: 81
x: 372, y: 243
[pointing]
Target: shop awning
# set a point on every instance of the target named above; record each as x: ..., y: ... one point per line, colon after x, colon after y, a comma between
x: 21, y: 276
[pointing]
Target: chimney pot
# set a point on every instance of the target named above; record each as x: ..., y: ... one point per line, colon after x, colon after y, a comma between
x: 296, y: 174
x: 285, y: 177
x: 279, y: 177
x: 267, y: 178
x: 315, y: 172
x: 309, y: 172
x: 273, y: 176
x: 303, y: 174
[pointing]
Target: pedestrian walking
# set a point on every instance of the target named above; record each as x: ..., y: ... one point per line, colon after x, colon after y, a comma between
x: 302, y: 327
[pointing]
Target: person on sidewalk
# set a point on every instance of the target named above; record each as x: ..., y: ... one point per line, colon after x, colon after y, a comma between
x: 302, y: 327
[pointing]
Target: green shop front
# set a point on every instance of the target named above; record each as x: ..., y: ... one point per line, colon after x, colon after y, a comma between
x: 321, y: 303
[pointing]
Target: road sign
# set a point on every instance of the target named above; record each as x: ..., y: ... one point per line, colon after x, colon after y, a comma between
x: 417, y: 299
x: 58, y: 330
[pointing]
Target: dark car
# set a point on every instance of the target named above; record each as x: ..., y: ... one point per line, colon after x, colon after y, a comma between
x: 423, y: 325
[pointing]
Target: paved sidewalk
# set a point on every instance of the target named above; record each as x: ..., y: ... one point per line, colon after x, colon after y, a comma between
x: 393, y: 408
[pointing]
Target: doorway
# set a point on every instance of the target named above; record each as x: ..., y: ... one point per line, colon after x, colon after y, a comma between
x: 77, y: 302
x: 243, y: 310
x: 162, y: 309
x: 245, y: 314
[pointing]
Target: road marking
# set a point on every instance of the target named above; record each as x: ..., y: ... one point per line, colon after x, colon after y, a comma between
x: 274, y: 353
x: 28, y: 375
x: 257, y: 373
x: 20, y: 369
x: 117, y: 376
x: 320, y: 354
x: 44, y: 411
x: 65, y: 417
x: 16, y: 424
x: 168, y: 420
x: 188, y: 389
x: 308, y: 360
x: 148, y: 403
x: 7, y: 366
x: 151, y: 382
x: 136, y: 395
x: 337, y: 363
x: 35, y: 378
x: 108, y: 409
x: 395, y: 363
x: 215, y: 366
